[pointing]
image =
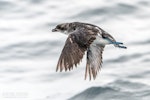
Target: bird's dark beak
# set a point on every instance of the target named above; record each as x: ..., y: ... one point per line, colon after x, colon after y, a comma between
x: 54, y: 30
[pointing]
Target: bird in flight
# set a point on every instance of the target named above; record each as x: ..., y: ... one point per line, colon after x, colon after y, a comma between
x: 84, y: 37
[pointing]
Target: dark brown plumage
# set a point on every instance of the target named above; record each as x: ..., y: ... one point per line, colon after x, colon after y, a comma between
x: 74, y: 49
x: 83, y: 37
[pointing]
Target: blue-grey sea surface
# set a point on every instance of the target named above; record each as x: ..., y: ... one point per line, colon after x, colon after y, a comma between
x: 29, y: 51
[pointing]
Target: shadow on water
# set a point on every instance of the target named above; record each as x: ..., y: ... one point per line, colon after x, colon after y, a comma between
x: 117, y: 90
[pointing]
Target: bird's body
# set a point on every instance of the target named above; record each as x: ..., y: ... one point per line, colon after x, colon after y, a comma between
x: 83, y: 37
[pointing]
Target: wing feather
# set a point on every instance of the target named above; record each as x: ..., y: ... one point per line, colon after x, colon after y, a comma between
x: 94, y: 60
x: 74, y: 49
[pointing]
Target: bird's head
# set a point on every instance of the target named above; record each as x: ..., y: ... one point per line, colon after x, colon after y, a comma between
x: 65, y: 28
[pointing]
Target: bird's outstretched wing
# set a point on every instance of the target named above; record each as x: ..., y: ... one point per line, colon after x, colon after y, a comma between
x: 74, y: 49
x: 94, y: 60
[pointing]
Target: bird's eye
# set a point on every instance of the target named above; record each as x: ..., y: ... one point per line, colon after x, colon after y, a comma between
x: 58, y: 27
x: 62, y: 28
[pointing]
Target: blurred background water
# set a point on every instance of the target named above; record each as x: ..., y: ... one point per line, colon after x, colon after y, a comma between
x: 29, y: 50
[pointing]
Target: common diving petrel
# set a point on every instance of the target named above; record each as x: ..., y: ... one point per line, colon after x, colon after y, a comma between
x: 84, y: 37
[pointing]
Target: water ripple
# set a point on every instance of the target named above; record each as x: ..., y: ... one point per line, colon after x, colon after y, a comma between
x: 29, y: 50
x: 5, y: 5
x: 116, y: 10
x: 126, y: 58
x: 117, y: 90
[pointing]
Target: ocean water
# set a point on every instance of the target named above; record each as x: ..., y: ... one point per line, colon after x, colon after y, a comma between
x: 29, y: 51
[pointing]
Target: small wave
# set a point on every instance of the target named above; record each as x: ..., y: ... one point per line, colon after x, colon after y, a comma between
x: 117, y: 90
x: 146, y: 60
x: 35, y: 1
x: 114, y: 10
x: 144, y: 3
x: 140, y: 75
x: 28, y: 50
x: 126, y: 85
x: 146, y: 42
x: 5, y: 5
x: 126, y: 58
x: 93, y: 93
